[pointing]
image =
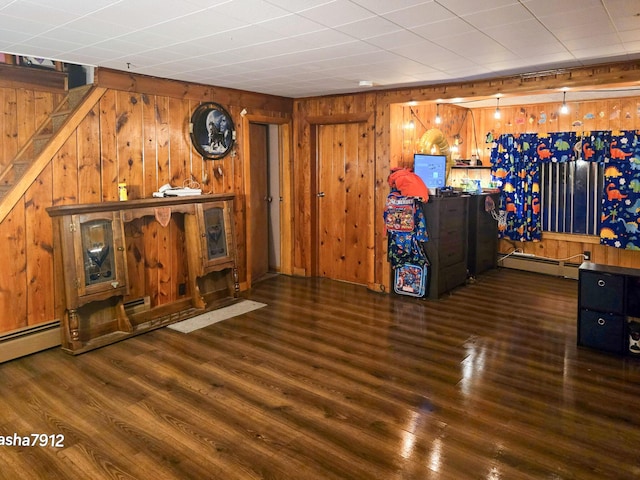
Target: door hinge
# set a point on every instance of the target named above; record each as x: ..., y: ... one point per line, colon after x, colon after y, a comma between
x: 72, y: 227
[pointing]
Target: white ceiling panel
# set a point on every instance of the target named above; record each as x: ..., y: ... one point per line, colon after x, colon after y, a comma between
x: 547, y: 8
x: 314, y: 47
x: 338, y: 12
x: 370, y: 27
x: 440, y: 31
x: 421, y: 14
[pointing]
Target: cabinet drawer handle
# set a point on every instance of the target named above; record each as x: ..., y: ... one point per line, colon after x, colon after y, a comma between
x: 601, y: 321
x: 601, y: 283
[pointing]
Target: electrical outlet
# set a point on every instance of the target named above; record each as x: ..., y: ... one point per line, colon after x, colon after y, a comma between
x: 586, y: 255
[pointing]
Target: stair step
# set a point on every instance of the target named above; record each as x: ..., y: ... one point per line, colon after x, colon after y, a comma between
x: 4, y: 189
x: 19, y: 168
x: 58, y: 118
x: 76, y: 95
x: 40, y: 141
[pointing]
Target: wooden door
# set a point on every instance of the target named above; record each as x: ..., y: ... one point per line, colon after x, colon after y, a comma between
x: 344, y: 201
x: 259, y: 201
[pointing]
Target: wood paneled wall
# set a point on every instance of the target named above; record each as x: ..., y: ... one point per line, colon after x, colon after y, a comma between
x: 138, y: 133
x: 26, y: 285
x: 308, y: 115
x: 23, y: 110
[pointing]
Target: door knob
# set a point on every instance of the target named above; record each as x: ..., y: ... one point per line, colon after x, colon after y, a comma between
x: 320, y: 194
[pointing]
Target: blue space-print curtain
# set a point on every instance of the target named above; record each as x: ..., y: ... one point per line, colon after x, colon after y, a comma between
x: 514, y: 163
x: 515, y: 160
x: 621, y: 196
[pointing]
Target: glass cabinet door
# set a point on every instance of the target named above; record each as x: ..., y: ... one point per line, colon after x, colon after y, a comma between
x: 97, y: 251
x: 100, y: 261
x: 215, y: 234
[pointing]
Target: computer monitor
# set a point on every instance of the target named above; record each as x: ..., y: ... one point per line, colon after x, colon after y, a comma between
x: 432, y: 169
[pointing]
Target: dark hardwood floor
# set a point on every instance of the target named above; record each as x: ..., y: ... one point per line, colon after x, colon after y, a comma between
x: 331, y: 381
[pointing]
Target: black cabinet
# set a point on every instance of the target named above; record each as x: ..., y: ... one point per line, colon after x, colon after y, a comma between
x: 608, y: 307
x: 447, y: 224
x: 483, y: 234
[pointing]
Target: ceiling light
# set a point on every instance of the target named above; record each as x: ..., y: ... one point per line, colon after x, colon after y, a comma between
x: 366, y: 83
x: 496, y: 114
x: 438, y: 119
x: 564, y: 109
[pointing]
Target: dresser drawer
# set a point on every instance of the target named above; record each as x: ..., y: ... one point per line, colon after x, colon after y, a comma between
x: 603, y: 331
x: 452, y: 250
x: 602, y: 291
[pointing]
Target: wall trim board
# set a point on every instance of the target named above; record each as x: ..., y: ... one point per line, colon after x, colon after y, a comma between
x: 619, y: 74
x: 13, y: 76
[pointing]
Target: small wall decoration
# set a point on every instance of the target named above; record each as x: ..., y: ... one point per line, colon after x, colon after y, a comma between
x: 36, y: 62
x: 212, y: 131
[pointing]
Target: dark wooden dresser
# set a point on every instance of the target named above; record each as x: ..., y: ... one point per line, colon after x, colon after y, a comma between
x: 483, y: 235
x: 447, y: 224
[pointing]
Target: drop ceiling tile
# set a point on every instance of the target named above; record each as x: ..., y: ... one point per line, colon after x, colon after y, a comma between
x: 626, y: 23
x: 192, y: 26
x: 339, y: 12
x: 47, y: 14
x: 78, y: 7
x: 95, y: 26
x: 385, y: 7
x: 395, y: 39
x: 498, y: 16
x: 292, y: 25
x: 420, y: 14
x: 324, y: 38
x: 630, y: 36
x: 11, y: 43
x: 597, y: 51
x: 526, y: 35
x: 70, y: 35
x: 546, y: 8
x: 234, y: 39
x: 51, y: 45
x: 543, y: 60
x: 249, y: 11
x: 298, y: 5
x: 444, y: 29
x: 466, y: 7
x: 593, y: 41
x: 584, y: 17
x: 470, y: 45
x: 566, y: 35
x: 471, y: 70
x: 23, y: 25
x: 369, y: 27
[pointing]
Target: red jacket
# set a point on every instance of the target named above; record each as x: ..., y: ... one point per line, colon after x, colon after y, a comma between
x: 408, y: 184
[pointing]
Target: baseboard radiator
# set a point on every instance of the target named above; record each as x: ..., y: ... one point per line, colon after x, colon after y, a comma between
x: 531, y: 263
x: 26, y: 341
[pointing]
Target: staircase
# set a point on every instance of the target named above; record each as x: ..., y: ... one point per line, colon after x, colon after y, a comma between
x: 38, y: 151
